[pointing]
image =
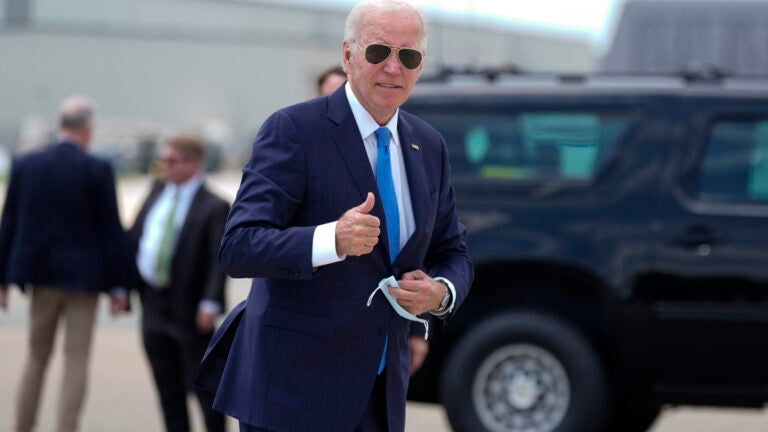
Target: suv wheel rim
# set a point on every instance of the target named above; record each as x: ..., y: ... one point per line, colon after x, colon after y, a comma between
x: 520, y: 388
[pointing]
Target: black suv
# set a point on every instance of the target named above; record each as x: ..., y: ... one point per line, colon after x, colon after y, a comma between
x: 619, y: 229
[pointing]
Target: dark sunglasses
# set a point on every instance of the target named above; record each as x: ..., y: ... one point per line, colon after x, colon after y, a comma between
x: 378, y: 52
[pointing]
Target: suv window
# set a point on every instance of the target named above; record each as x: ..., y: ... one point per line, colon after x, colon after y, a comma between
x: 735, y: 162
x: 529, y: 145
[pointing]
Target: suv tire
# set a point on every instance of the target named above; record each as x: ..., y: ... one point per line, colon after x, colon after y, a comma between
x: 524, y: 371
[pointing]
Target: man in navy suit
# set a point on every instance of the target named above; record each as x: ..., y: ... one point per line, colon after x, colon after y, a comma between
x: 328, y: 81
x: 346, y: 219
x: 61, y: 236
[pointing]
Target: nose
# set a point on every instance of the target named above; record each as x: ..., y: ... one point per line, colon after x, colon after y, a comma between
x: 392, y: 64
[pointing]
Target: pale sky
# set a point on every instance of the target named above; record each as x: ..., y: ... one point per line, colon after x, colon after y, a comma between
x: 592, y: 18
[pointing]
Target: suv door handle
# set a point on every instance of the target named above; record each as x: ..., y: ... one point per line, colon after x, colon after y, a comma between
x: 698, y: 237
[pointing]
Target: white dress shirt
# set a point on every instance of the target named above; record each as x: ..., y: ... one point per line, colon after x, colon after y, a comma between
x: 324, y: 239
x: 154, y: 224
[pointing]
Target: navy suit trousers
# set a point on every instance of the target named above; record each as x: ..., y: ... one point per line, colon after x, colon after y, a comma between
x: 375, y: 415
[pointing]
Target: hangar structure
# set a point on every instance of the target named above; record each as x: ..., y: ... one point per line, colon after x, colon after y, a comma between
x: 218, y: 65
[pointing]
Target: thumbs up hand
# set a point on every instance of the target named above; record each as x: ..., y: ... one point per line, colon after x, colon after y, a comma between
x: 357, y: 232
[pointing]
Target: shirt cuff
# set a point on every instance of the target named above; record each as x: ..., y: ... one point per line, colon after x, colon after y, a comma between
x: 324, y: 245
x: 210, y: 306
x: 449, y: 309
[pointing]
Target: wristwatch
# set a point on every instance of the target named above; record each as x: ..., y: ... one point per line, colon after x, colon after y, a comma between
x: 446, y: 299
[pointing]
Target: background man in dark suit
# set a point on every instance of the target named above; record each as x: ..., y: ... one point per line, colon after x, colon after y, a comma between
x: 61, y: 236
x: 317, y: 346
x: 175, y: 239
x: 330, y: 79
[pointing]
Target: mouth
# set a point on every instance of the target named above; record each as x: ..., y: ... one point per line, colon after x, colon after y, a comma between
x: 389, y: 86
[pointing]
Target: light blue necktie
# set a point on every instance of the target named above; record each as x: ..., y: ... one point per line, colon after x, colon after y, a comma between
x: 389, y: 201
x: 387, y: 191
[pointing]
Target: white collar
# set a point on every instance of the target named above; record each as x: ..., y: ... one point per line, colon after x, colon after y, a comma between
x: 365, y: 122
x: 189, y: 187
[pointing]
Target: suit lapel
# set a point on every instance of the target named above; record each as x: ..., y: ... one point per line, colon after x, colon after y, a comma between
x: 417, y: 179
x: 346, y: 136
x: 187, y: 228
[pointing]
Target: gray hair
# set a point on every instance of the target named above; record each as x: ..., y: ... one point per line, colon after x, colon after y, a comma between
x: 76, y: 112
x: 355, y: 17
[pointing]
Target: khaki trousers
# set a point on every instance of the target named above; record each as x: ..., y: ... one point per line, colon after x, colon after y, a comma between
x: 79, y: 312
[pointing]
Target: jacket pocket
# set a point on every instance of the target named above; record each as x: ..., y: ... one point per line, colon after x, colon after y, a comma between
x: 308, y: 324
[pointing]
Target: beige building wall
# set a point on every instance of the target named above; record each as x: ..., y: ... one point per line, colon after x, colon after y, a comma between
x: 224, y: 64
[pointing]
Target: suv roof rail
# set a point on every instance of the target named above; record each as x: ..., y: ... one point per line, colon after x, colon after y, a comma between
x: 493, y: 74
x: 445, y: 72
x: 692, y: 73
x: 702, y: 72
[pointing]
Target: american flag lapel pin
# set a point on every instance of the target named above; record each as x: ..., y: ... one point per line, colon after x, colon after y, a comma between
x: 414, y: 146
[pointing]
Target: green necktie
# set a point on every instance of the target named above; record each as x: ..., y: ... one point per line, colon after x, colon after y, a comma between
x: 165, y: 251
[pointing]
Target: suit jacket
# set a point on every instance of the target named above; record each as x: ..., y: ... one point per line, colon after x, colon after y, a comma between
x: 302, y: 352
x: 195, y: 271
x: 60, y: 223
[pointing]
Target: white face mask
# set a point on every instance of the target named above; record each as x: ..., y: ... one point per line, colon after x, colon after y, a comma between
x: 384, y: 285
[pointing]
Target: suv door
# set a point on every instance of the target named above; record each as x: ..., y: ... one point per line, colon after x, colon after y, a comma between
x: 532, y: 175
x: 556, y: 194
x: 709, y: 288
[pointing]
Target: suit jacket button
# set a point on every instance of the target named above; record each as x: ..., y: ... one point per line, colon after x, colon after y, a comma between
x: 383, y: 330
